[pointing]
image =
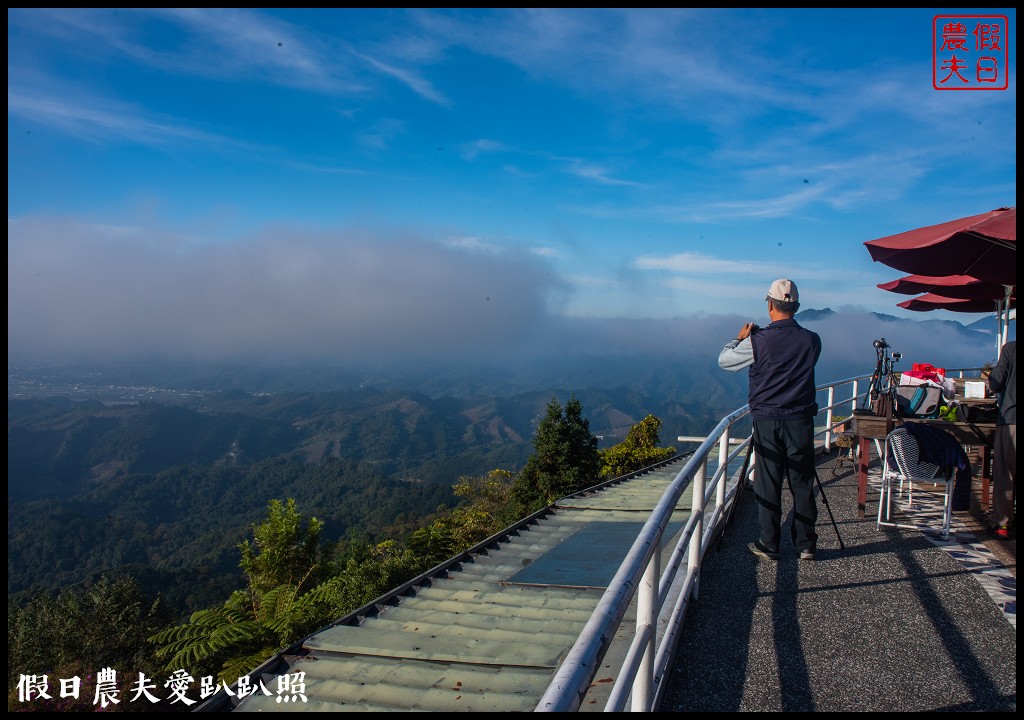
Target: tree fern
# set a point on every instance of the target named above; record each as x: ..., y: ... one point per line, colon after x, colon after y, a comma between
x: 208, y: 633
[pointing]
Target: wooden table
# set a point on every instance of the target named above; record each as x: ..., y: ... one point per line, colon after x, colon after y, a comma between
x: 873, y: 427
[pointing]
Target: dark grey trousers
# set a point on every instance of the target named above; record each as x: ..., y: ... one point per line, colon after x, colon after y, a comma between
x: 785, y: 450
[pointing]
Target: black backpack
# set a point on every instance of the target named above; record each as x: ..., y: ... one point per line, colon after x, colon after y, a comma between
x: 977, y: 412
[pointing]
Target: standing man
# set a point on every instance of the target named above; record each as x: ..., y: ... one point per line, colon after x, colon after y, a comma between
x: 1003, y: 381
x: 781, y: 358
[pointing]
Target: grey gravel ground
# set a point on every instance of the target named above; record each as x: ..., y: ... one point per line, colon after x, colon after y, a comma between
x: 891, y: 623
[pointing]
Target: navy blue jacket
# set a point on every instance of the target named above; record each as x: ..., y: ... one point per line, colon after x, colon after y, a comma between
x: 782, y: 375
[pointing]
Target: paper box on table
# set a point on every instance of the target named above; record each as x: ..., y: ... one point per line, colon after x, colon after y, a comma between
x: 974, y: 390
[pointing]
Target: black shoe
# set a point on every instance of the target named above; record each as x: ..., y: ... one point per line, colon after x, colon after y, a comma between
x: 807, y: 554
x: 760, y: 550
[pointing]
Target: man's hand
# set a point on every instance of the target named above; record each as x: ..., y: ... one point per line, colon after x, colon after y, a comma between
x: 746, y: 330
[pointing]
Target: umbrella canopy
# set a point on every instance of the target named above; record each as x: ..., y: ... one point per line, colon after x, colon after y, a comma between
x: 951, y: 286
x: 980, y: 246
x: 931, y: 301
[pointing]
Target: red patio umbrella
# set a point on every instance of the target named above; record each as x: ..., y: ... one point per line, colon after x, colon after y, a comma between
x: 950, y: 286
x: 981, y: 246
x: 931, y: 301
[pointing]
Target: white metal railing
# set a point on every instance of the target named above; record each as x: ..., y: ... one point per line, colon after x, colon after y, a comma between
x: 662, y: 596
x: 640, y: 576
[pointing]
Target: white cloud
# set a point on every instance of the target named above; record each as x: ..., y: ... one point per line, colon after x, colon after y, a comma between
x: 473, y: 243
x: 410, y: 78
x: 545, y: 252
x: 81, y: 290
x: 592, y: 171
x: 110, y: 121
x: 226, y: 43
x: 471, y: 150
x: 700, y: 264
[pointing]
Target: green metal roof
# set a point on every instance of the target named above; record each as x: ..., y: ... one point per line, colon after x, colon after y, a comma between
x: 487, y: 631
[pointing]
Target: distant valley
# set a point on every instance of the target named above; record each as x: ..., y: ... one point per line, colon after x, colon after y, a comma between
x: 166, y: 489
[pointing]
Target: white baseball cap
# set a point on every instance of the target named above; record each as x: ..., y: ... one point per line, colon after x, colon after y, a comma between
x: 784, y: 291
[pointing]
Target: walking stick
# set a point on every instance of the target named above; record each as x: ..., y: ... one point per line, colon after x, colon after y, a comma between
x: 821, y: 490
x: 739, y: 492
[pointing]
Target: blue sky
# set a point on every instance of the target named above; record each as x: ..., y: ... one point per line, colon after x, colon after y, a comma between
x: 243, y: 180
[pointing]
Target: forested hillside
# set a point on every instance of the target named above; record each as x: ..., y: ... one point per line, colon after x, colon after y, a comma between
x: 165, y: 491
x: 293, y: 579
x: 59, y: 448
x: 177, y: 531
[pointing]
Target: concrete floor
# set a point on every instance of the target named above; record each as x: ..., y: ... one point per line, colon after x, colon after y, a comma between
x: 891, y: 622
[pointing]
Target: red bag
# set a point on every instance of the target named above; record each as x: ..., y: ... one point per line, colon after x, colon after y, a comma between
x: 927, y: 371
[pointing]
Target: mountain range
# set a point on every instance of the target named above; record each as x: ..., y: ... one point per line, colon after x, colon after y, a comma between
x: 160, y: 468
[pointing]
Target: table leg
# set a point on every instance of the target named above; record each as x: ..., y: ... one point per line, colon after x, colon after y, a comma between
x: 863, y: 457
x: 986, y: 476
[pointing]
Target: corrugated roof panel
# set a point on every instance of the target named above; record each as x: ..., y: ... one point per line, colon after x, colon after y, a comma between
x: 510, y: 612
x: 488, y: 633
x: 452, y: 643
x: 530, y: 621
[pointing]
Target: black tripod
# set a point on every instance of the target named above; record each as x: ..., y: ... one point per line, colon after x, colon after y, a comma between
x: 821, y: 491
x: 882, y: 389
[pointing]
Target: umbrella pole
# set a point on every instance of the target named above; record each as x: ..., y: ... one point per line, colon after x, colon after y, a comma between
x: 999, y: 326
x: 1005, y: 318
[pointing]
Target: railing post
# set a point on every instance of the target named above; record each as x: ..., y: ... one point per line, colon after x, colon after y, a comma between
x: 723, y: 468
x: 853, y: 402
x: 696, y: 540
x: 828, y: 418
x: 646, y: 617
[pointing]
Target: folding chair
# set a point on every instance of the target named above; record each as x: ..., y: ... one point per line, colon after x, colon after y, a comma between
x: 901, y: 463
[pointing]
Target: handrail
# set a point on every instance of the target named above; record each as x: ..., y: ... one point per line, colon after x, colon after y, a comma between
x: 569, y: 686
x: 659, y: 623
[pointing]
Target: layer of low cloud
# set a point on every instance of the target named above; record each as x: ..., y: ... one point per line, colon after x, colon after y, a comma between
x: 88, y: 291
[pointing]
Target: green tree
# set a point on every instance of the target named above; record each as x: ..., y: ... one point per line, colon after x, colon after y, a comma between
x: 282, y: 564
x: 639, y: 450
x: 582, y: 461
x: 488, y: 506
x: 435, y: 542
x: 79, y: 632
x: 565, y: 460
x: 284, y: 552
x: 367, y: 571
